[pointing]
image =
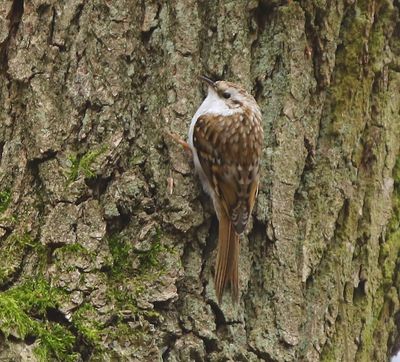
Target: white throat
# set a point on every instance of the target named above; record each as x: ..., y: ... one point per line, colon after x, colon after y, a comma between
x: 212, y: 104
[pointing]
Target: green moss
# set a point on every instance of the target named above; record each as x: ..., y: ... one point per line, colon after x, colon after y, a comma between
x: 55, y: 342
x: 13, y: 319
x: 126, y: 283
x: 367, y: 334
x: 151, y: 314
x: 381, y: 26
x: 126, y: 300
x: 122, y: 269
x: 12, y: 220
x: 138, y: 157
x: 120, y: 251
x: 72, y: 256
x: 129, y: 279
x: 394, y: 225
x: 84, y: 319
x: 74, y: 248
x: 386, y: 294
x: 12, y: 252
x: 151, y: 258
x: 377, y: 309
x: 125, y: 334
x: 123, y: 253
x: 360, y: 54
x: 35, y: 295
x: 72, y: 251
x: 5, y: 199
x: 329, y: 353
x: 391, y: 248
x: 84, y: 165
x: 23, y: 312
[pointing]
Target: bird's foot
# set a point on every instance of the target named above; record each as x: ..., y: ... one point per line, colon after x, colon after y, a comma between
x: 180, y: 141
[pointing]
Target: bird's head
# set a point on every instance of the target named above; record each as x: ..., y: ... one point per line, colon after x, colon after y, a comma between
x: 233, y: 95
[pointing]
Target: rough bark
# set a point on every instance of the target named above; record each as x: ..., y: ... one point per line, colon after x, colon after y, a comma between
x: 107, y: 240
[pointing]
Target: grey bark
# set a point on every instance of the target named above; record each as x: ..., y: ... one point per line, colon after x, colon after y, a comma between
x: 102, y: 212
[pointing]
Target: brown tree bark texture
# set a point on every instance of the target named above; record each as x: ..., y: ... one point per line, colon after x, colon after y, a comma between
x: 108, y: 242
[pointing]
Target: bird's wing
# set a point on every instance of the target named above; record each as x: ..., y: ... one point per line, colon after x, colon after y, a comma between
x: 229, y: 150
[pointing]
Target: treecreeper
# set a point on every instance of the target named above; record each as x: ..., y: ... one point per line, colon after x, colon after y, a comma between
x: 226, y: 140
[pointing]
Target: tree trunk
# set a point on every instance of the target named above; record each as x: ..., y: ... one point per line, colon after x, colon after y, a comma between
x: 107, y: 240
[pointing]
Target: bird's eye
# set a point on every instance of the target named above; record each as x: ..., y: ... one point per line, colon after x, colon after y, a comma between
x: 226, y: 95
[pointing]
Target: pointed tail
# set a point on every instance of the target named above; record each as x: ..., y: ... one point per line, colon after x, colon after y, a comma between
x: 226, y: 269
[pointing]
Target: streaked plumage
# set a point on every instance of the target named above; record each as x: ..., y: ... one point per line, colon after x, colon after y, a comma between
x: 226, y: 139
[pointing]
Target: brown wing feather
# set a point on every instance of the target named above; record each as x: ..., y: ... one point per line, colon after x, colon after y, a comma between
x: 229, y: 149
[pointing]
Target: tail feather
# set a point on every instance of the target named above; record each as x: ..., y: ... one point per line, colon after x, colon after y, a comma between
x: 227, y: 269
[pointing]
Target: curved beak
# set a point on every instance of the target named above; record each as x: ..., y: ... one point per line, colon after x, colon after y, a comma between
x: 207, y: 80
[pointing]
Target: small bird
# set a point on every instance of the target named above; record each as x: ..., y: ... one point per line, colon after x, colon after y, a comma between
x: 226, y: 139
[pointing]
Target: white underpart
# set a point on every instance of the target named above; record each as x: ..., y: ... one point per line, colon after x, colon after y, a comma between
x: 213, y: 104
